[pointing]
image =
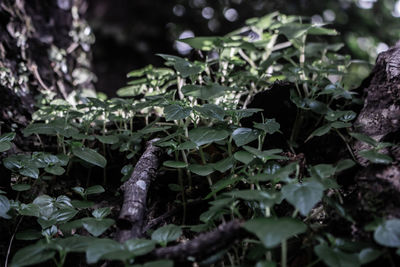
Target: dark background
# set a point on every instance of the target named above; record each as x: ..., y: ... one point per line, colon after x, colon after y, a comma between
x: 130, y: 32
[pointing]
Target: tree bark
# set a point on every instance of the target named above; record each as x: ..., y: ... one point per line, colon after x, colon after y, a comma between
x: 376, y: 190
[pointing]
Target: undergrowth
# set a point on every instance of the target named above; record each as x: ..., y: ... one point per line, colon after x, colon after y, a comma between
x: 63, y: 196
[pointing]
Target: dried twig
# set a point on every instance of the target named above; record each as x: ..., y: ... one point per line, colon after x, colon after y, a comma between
x: 204, y: 245
x: 133, y: 210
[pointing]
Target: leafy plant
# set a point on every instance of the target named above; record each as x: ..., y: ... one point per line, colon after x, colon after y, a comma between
x: 196, y: 109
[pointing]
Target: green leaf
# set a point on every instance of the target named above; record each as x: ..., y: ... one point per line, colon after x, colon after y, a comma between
x: 388, y: 233
x: 108, y: 139
x: 139, y: 246
x: 244, y: 113
x: 30, y: 172
x: 101, y: 212
x: 321, y: 131
x: 73, y: 243
x: 166, y: 234
x: 303, y: 196
x: 368, y: 255
x: 203, y: 135
x: 205, y: 43
x: 204, y: 92
x: 375, y: 157
x: 7, y: 137
x: 90, y: 156
x: 175, y: 164
x: 186, y: 68
x: 267, y: 197
x: 5, y: 145
x: 340, y: 124
x: 243, y: 136
x: 21, y: 187
x: 187, y: 145
x: 95, y: 189
x: 97, y: 226
x: 39, y: 128
x: 211, y: 111
x: 364, y: 138
x: 176, y: 112
x: 335, y: 257
x: 244, y: 157
x: 32, y: 255
x: 202, y: 170
x: 56, y: 170
x: 317, y: 106
x: 99, y: 248
x: 344, y: 165
x: 272, y: 231
x: 29, y: 235
x: 224, y: 164
x: 280, y: 175
x: 323, y: 170
x: 4, y: 207
x: 270, y: 126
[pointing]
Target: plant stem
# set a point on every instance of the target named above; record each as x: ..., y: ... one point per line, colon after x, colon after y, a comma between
x: 284, y: 253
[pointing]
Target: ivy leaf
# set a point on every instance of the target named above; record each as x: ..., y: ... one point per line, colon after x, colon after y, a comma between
x: 90, y: 156
x: 243, y: 136
x: 375, y: 157
x: 270, y: 126
x: 244, y: 156
x: 202, y: 170
x: 211, y: 111
x: 303, y: 196
x: 97, y: 226
x: 224, y: 164
x: 166, y: 234
x: 272, y: 231
x: 176, y: 112
x: 323, y: 170
x: 4, y: 146
x: 388, y: 233
x: 203, y: 135
x: 335, y: 257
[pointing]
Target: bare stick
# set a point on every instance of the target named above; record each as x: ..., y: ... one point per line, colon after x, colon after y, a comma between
x: 204, y: 245
x: 133, y: 210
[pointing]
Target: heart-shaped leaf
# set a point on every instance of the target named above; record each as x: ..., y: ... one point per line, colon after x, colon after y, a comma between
x: 304, y: 195
x: 272, y: 231
x: 166, y: 234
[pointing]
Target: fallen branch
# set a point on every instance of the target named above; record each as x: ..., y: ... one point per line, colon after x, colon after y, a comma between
x: 133, y: 210
x: 168, y: 214
x: 203, y: 246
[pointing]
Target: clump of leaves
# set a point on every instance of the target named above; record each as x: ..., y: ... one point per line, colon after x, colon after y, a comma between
x: 195, y: 108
